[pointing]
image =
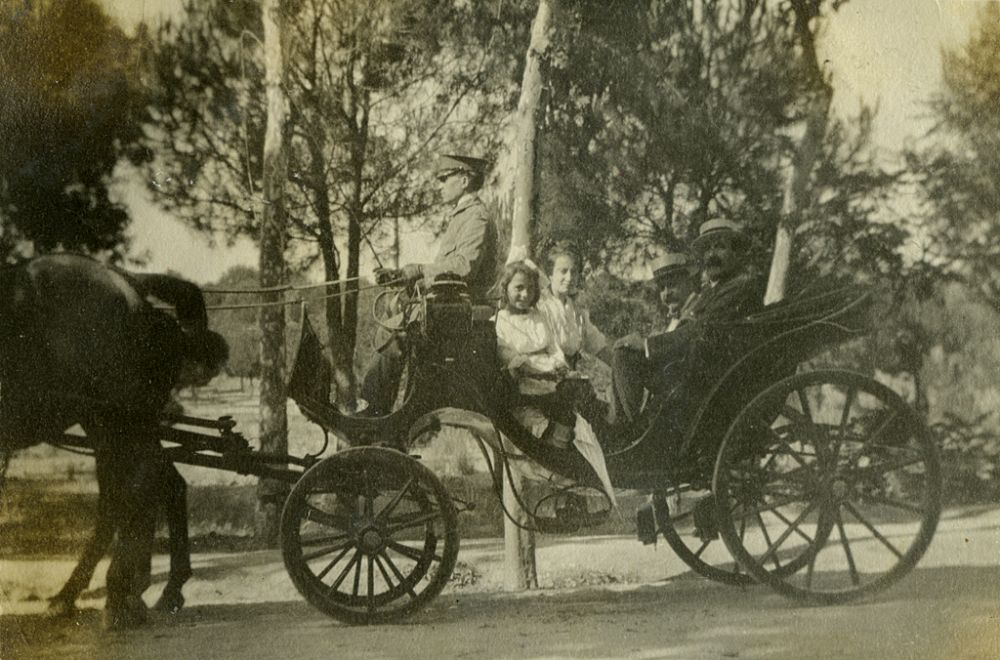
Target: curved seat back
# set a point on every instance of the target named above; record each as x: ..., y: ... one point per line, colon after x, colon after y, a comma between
x: 762, y: 349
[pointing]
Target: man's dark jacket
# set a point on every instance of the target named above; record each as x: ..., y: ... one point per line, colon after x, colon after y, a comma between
x: 731, y: 300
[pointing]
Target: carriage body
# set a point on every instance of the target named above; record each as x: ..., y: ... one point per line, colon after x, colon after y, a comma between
x: 453, y: 363
x: 797, y: 466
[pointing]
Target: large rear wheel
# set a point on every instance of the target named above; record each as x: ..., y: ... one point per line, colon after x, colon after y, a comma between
x: 703, y: 552
x: 369, y: 535
x: 827, y: 486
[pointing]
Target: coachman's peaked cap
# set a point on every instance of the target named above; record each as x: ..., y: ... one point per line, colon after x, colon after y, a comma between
x: 453, y: 163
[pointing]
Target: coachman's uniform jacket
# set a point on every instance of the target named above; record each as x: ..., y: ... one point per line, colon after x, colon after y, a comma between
x: 468, y: 247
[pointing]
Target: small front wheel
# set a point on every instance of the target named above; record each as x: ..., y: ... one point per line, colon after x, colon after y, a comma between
x: 369, y: 535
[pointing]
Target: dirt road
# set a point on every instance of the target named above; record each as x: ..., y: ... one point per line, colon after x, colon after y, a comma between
x: 242, y: 606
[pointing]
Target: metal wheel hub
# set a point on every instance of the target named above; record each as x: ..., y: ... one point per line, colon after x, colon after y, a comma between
x: 839, y: 489
x: 370, y: 540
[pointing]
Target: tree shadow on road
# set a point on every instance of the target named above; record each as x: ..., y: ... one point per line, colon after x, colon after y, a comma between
x: 681, y: 618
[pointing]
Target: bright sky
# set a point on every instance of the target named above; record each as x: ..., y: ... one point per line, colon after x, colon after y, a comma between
x: 884, y: 52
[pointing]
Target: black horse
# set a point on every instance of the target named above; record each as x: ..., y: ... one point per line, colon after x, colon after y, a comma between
x: 172, y: 494
x: 79, y: 343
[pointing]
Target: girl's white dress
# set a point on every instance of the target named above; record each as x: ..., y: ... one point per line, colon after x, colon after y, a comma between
x: 527, y: 341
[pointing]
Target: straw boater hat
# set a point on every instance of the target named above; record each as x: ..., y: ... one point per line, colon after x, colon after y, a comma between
x: 669, y: 263
x: 720, y: 227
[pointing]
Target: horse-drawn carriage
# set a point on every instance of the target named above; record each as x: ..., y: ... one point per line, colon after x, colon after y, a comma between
x: 824, y: 484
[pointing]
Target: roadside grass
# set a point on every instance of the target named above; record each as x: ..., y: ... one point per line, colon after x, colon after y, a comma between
x: 50, y: 501
x: 48, y: 518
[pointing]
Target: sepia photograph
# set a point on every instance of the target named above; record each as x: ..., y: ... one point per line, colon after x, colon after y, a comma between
x: 500, y: 329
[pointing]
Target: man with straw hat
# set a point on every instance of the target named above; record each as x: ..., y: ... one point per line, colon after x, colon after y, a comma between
x: 632, y: 370
x: 674, y: 278
x: 730, y: 292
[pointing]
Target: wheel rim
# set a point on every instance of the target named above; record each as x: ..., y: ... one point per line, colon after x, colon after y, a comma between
x: 828, y: 487
x: 702, y: 556
x: 369, y: 535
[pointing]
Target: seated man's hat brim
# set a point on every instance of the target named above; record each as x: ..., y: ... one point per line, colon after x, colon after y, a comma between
x: 669, y: 263
x: 711, y: 229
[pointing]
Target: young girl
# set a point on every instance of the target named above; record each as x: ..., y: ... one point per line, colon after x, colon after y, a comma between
x: 529, y: 351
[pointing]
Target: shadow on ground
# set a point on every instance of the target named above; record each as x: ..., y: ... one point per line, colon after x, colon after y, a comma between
x: 680, y: 618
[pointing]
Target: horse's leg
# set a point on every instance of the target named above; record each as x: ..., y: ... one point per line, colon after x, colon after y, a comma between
x: 174, y: 492
x: 128, y: 574
x: 63, y: 603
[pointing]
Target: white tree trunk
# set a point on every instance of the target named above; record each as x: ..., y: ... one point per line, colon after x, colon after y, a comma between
x: 796, y: 198
x: 517, y: 169
x: 516, y: 189
x: 796, y: 192
x: 273, y: 418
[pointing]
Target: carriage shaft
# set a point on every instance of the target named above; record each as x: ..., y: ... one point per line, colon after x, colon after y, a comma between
x: 257, y: 464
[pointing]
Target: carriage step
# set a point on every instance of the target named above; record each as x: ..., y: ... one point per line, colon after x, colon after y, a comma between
x: 645, y: 522
x: 706, y: 524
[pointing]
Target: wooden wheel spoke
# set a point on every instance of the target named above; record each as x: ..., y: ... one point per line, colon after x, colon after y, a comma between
x: 885, y: 467
x: 845, y: 416
x: 408, y: 552
x: 771, y: 506
x: 394, y: 502
x: 791, y: 491
x: 842, y: 428
x: 804, y: 402
x: 371, y: 584
x: 337, y: 521
x: 810, y: 569
x: 767, y: 540
x: 871, y: 528
x: 334, y: 562
x: 316, y: 554
x: 880, y: 451
x: 888, y: 501
x: 369, y: 495
x: 881, y: 428
x: 383, y: 572
x: 320, y: 540
x: 356, y: 559
x: 357, y: 580
x: 398, y: 524
x: 786, y: 450
x: 788, y: 522
x: 788, y: 532
x: 399, y: 575
x: 701, y: 549
x: 855, y: 579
